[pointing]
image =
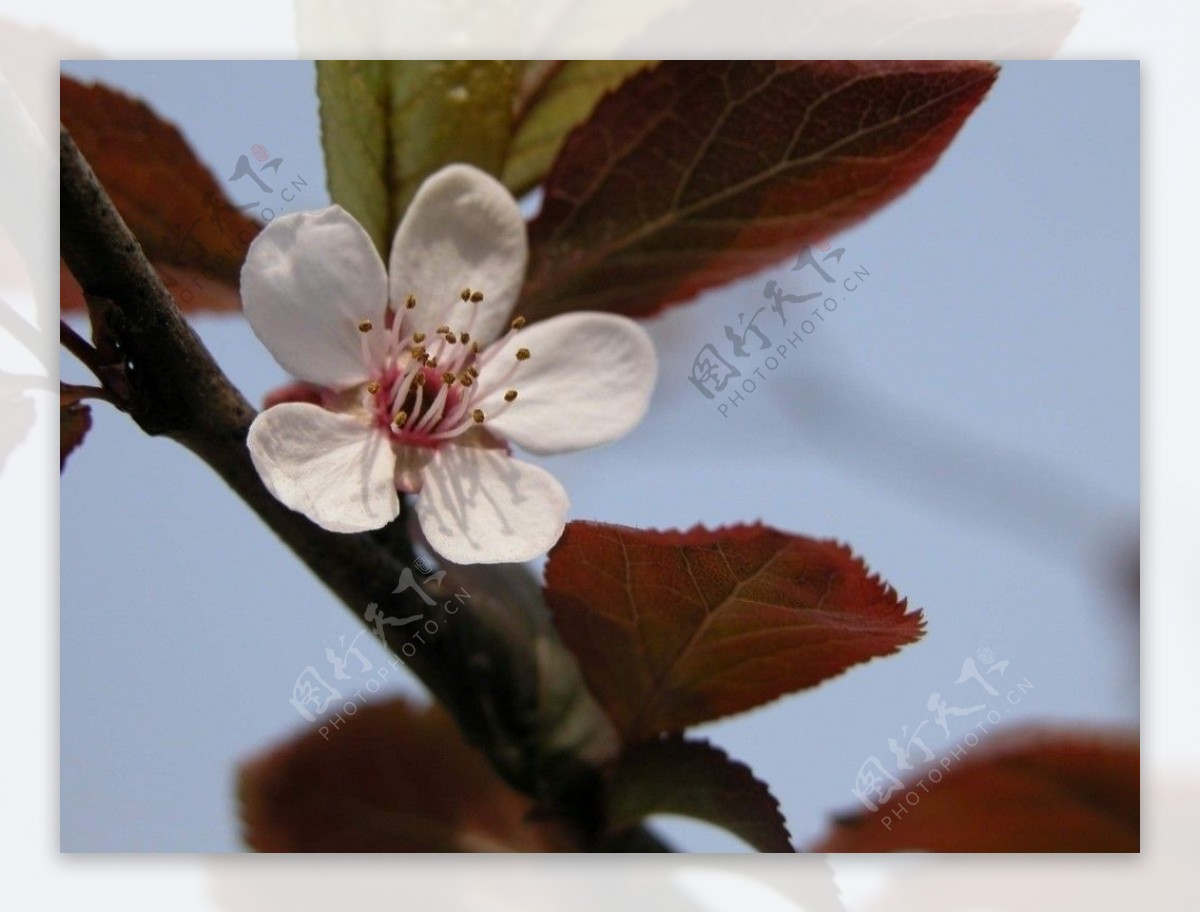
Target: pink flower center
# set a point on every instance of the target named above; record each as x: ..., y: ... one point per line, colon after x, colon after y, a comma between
x: 428, y: 385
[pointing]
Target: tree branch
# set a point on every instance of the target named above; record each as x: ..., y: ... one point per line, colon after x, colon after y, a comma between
x: 176, y: 389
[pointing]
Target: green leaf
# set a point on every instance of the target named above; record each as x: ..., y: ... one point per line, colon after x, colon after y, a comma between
x: 553, y: 98
x: 387, y: 125
x: 680, y: 777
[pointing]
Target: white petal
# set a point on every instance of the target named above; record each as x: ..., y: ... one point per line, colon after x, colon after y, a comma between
x: 480, y: 506
x: 334, y: 469
x: 587, y: 381
x: 309, y: 279
x: 463, y: 230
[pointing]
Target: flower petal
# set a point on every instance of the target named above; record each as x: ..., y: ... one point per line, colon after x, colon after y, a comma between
x: 332, y: 468
x: 480, y: 506
x: 587, y: 381
x: 309, y: 279
x: 463, y: 230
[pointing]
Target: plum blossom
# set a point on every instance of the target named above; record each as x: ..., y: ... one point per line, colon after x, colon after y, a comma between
x: 419, y: 377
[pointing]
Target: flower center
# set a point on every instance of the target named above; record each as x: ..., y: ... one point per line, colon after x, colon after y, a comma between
x: 429, y: 383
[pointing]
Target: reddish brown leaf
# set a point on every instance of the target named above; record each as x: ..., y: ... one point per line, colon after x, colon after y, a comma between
x: 694, y: 173
x: 191, y: 232
x: 74, y: 421
x: 675, y: 776
x: 1040, y: 791
x: 673, y: 629
x: 392, y: 778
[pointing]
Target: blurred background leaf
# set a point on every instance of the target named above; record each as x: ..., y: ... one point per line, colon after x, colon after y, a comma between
x: 1031, y: 791
x: 392, y: 778
x: 195, y: 237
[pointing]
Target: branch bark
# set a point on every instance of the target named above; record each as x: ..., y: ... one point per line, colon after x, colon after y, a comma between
x: 172, y: 386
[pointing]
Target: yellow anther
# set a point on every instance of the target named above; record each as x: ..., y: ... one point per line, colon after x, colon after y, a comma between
x: 443, y: 329
x: 473, y: 371
x: 373, y: 387
x: 448, y: 378
x: 431, y: 363
x: 451, y: 338
x: 418, y: 337
x: 475, y: 349
x: 477, y: 297
x: 465, y: 337
x: 522, y: 354
x: 465, y: 294
x: 400, y: 418
x: 410, y: 302
x: 419, y: 380
x: 518, y: 322
x: 466, y: 379
x: 477, y: 415
x: 364, y: 326
x: 510, y: 396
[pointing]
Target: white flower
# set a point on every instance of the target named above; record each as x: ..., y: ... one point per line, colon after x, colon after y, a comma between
x: 424, y: 377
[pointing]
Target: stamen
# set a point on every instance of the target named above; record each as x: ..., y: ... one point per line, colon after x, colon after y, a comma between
x: 510, y: 396
x: 465, y: 294
x: 477, y: 416
x: 466, y: 379
x: 400, y: 418
x: 476, y: 297
x: 443, y: 330
x: 410, y: 302
x: 365, y: 326
x: 465, y: 337
x: 434, y: 412
x: 473, y: 371
x: 404, y: 385
x: 419, y: 383
x: 373, y: 387
x: 448, y: 379
x: 518, y: 322
x: 475, y: 348
x: 418, y: 337
x: 452, y: 432
x: 522, y: 354
x: 451, y: 338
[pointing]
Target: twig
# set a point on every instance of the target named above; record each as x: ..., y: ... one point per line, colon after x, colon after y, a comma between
x: 78, y: 346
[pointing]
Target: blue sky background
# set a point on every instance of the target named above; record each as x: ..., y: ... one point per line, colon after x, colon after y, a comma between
x: 967, y: 420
